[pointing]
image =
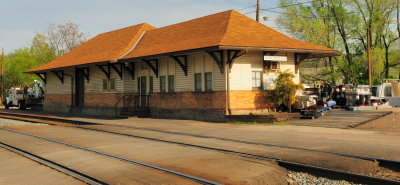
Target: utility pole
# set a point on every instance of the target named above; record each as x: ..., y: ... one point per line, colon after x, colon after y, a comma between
x: 369, y: 57
x: 2, y: 73
x: 258, y: 11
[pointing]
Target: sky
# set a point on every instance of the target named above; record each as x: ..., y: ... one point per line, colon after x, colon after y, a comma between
x: 21, y: 20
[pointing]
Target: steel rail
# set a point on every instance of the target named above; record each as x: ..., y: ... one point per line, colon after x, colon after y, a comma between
x: 184, y: 175
x: 320, y: 171
x: 391, y: 164
x: 63, y: 169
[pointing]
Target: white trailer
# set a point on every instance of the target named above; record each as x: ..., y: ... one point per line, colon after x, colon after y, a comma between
x: 25, y: 97
x: 384, y: 94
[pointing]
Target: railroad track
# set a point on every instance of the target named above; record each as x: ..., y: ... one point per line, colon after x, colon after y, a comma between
x: 56, y: 166
x: 83, y: 177
x: 390, y: 164
x: 334, y: 174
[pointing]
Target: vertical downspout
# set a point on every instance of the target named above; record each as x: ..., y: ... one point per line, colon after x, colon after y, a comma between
x: 228, y: 87
x: 123, y: 88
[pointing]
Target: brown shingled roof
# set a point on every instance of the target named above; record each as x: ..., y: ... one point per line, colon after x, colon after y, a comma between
x: 229, y: 28
x: 107, y: 46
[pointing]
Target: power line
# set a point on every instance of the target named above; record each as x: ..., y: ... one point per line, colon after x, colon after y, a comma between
x: 311, y: 17
x: 249, y: 12
x: 252, y: 6
x: 280, y: 7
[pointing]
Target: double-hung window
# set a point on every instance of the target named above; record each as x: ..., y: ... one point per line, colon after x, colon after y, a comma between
x: 256, y: 80
x: 151, y: 84
x: 109, y: 84
x: 208, y: 81
x: 163, y: 84
x: 105, y: 84
x: 171, y: 83
x: 112, y: 84
x: 198, y: 83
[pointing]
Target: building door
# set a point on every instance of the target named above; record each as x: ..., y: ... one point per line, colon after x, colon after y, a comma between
x: 143, y: 93
x: 79, y: 88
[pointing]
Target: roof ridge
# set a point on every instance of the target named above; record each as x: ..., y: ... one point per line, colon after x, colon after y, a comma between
x: 141, y: 24
x: 132, y: 44
x: 226, y: 26
x: 132, y: 48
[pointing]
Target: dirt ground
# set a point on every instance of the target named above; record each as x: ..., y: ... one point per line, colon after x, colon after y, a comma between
x: 220, y: 167
x: 341, y: 118
x: 18, y: 170
x: 381, y: 143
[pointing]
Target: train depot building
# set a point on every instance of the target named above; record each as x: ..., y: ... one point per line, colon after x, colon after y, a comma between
x: 202, y: 69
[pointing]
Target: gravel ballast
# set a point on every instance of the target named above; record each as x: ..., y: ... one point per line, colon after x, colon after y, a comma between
x: 10, y: 122
x: 300, y: 178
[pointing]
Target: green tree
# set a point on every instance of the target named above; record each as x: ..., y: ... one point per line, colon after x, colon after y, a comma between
x: 343, y: 25
x: 285, y: 90
x: 57, y: 40
x: 23, y: 59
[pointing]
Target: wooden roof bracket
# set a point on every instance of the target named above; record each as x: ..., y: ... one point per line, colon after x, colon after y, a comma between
x: 42, y: 76
x: 183, y: 64
x: 118, y: 70
x: 298, y: 58
x: 154, y: 67
x: 130, y: 68
x: 60, y: 75
x: 218, y: 59
x: 233, y: 54
x: 86, y: 73
x: 106, y: 71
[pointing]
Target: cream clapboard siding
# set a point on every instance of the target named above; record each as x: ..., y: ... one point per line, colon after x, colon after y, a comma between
x: 142, y: 70
x: 290, y: 66
x: 219, y: 80
x: 241, y: 74
x: 54, y: 85
x: 204, y: 63
x: 168, y: 66
x: 130, y: 84
x: 95, y: 84
x: 182, y: 82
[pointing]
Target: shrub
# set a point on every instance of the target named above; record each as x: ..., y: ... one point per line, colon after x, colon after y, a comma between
x: 285, y: 90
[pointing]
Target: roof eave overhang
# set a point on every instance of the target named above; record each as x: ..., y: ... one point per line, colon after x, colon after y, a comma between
x: 311, y: 53
x: 67, y: 67
x: 169, y: 54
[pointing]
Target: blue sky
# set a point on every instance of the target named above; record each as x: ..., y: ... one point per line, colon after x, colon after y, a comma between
x: 20, y: 20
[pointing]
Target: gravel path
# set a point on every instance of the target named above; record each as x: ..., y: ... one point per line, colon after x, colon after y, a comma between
x: 10, y: 122
x: 300, y: 178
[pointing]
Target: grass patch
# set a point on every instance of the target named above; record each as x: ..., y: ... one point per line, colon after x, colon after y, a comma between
x: 244, y: 123
x: 279, y: 123
x: 255, y: 123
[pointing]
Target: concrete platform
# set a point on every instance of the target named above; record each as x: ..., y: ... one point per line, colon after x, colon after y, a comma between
x: 342, y: 119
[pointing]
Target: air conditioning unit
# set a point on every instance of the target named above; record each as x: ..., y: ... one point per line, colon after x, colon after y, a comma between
x: 271, y: 65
